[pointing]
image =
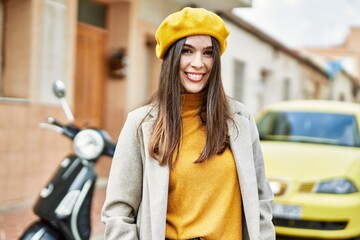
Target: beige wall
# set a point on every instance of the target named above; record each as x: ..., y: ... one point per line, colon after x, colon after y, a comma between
x: 118, y: 28
x: 28, y: 155
x: 144, y: 67
x: 353, y: 44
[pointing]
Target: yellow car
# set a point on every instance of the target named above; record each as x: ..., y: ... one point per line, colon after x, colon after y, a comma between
x: 312, y: 157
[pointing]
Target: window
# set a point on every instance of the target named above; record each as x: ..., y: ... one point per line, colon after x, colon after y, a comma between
x: 15, y: 48
x: 286, y: 89
x: 92, y: 13
x: 239, y: 68
x: 262, y: 87
x: 310, y: 127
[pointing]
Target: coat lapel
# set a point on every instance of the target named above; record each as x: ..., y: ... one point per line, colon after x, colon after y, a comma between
x: 157, y: 179
x: 241, y: 147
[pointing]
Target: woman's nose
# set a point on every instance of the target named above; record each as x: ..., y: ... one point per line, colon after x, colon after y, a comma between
x: 197, y: 61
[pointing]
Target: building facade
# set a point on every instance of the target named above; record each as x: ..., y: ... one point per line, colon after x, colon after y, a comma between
x: 103, y: 50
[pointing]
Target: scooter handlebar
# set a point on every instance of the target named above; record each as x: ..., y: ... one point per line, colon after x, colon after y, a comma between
x: 68, y: 130
x: 52, y: 127
x: 53, y: 121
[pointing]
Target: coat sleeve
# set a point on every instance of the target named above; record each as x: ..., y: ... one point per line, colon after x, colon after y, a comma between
x: 123, y: 193
x: 267, y: 231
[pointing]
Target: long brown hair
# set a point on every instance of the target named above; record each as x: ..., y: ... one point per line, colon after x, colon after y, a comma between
x: 214, y: 113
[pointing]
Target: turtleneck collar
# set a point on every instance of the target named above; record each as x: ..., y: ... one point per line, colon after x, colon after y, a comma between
x: 192, y: 100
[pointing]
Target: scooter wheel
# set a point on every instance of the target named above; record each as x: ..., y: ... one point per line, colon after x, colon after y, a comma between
x: 40, y: 231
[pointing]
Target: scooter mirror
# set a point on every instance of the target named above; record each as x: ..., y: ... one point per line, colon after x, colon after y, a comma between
x: 59, y: 89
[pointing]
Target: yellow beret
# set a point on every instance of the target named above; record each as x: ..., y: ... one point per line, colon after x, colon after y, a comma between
x: 189, y: 22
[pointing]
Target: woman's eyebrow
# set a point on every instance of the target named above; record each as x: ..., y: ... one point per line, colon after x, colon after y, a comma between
x: 188, y: 45
x: 191, y: 46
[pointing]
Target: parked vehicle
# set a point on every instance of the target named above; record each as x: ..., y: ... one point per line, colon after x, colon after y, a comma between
x: 64, y: 204
x: 312, y: 156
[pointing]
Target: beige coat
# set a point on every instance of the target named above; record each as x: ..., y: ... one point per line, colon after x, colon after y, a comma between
x: 137, y: 191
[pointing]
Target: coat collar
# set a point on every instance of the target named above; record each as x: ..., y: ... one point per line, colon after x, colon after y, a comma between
x: 235, y: 108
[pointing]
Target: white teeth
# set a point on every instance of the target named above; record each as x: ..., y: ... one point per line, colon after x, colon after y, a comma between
x: 195, y: 76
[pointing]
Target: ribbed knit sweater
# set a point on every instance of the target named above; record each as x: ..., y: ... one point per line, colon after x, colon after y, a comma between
x: 204, y: 198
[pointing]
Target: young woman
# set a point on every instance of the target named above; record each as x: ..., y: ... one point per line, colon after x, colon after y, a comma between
x: 189, y: 165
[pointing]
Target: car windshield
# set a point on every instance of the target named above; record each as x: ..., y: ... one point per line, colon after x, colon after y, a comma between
x: 310, y: 127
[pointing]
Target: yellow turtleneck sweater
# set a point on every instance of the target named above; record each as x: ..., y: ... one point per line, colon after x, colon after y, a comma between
x: 204, y: 198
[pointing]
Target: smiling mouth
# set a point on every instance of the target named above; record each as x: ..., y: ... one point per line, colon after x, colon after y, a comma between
x: 195, y: 76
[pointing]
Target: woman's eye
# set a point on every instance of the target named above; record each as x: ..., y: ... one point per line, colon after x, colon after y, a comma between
x: 208, y: 53
x: 185, y: 50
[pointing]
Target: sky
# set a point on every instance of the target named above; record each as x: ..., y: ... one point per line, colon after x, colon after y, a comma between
x: 304, y: 23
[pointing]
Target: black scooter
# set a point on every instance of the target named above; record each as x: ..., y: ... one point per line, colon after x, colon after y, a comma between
x: 64, y: 204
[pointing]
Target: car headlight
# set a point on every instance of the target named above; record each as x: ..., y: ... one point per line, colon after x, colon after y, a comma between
x: 336, y: 186
x: 88, y: 144
x: 278, y: 186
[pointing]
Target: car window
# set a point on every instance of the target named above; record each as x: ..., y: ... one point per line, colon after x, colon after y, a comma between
x: 312, y: 127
